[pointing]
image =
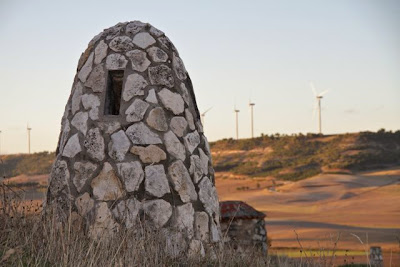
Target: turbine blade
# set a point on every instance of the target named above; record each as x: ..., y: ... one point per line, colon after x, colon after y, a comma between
x: 313, y: 88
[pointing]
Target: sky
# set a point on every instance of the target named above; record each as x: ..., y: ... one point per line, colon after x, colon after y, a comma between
x: 234, y: 51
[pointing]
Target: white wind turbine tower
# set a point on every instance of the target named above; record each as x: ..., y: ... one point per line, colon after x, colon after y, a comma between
x: 29, y: 138
x: 252, y: 118
x: 318, y: 98
x: 203, y: 116
x: 237, y: 121
x: 0, y: 143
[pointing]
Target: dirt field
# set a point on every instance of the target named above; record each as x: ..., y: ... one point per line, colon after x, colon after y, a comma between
x: 320, y: 208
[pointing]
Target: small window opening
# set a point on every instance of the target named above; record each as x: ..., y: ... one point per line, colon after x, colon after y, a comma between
x: 113, y: 92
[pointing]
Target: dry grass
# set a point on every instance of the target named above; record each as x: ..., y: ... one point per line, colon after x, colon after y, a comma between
x: 29, y: 239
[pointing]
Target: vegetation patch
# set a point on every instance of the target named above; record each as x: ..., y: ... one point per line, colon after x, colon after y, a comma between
x: 29, y: 239
x: 28, y: 164
x: 298, y: 156
x: 288, y: 157
x: 26, y: 184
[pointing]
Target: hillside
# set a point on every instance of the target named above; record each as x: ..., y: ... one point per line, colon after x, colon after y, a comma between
x: 300, y: 156
x: 285, y: 157
x: 33, y: 164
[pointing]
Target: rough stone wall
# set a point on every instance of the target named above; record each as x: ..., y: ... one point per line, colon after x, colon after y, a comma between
x: 244, y: 234
x: 151, y: 162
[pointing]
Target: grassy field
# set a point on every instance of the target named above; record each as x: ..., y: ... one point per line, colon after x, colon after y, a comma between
x: 324, y: 212
x: 318, y: 209
x: 24, y: 164
x: 313, y: 189
x: 297, y: 157
x: 27, y: 238
x: 287, y: 157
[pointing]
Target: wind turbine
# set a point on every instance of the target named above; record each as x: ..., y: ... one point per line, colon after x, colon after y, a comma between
x: 318, y: 98
x: 252, y: 121
x: 29, y: 138
x: 0, y: 143
x: 203, y: 115
x: 237, y: 121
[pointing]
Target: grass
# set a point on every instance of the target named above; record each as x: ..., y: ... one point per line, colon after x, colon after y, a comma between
x: 354, y: 265
x: 296, y: 157
x: 28, y: 164
x: 315, y: 253
x: 287, y: 157
x: 27, y: 238
x: 26, y: 184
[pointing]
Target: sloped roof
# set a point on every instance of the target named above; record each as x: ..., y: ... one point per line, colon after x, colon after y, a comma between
x: 239, y: 210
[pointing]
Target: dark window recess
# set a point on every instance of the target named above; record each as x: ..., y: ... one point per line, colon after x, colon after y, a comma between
x: 113, y: 93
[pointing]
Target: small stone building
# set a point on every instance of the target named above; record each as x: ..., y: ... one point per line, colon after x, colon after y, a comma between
x: 131, y: 145
x: 375, y: 256
x: 242, y: 226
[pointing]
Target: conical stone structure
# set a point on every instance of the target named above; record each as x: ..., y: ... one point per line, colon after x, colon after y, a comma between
x: 131, y: 145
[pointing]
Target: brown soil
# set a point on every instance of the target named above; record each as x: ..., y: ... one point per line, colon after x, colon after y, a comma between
x: 318, y: 208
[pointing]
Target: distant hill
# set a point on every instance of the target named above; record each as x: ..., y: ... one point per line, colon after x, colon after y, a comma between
x: 287, y: 157
x: 300, y: 156
x: 28, y: 164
